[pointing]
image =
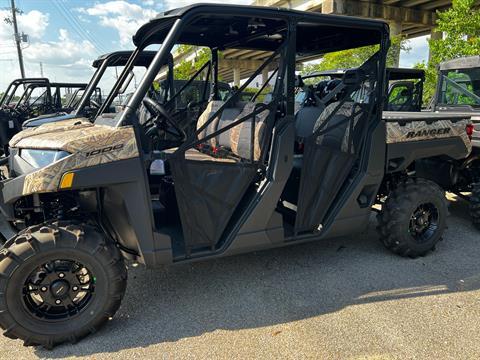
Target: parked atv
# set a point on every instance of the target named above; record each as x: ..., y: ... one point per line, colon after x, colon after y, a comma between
x: 26, y: 98
x: 458, y: 92
x: 85, y: 197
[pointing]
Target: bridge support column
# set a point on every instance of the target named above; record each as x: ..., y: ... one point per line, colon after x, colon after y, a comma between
x: 395, y: 31
x: 334, y: 7
x: 236, y: 76
x: 264, y: 76
x: 434, y: 35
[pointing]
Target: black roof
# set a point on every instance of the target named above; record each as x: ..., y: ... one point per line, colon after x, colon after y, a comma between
x: 28, y: 80
x: 68, y: 85
x: 393, y: 73
x: 405, y: 74
x: 120, y: 58
x: 216, y: 24
x: 37, y: 84
x: 468, y: 62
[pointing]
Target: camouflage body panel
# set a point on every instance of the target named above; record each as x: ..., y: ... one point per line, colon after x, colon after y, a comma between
x: 88, y: 144
x: 49, y: 128
x: 421, y: 130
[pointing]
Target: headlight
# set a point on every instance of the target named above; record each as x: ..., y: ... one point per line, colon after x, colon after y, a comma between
x: 38, y: 158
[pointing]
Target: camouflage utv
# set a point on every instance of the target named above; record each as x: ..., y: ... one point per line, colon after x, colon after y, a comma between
x: 85, y: 198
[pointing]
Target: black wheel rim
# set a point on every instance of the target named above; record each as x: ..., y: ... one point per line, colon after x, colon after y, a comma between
x: 424, y: 222
x: 58, y: 289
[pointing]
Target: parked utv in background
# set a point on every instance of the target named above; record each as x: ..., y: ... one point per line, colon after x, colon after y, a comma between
x: 90, y: 102
x: 26, y: 98
x: 16, y: 89
x: 85, y: 197
x: 458, y: 92
x: 182, y: 95
x: 404, y: 87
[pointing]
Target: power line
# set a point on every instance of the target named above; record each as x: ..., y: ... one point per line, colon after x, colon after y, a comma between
x: 64, y: 12
x: 73, y: 26
x: 80, y: 26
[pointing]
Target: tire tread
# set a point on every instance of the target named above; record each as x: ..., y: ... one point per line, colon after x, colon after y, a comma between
x: 60, y: 236
x: 392, y: 217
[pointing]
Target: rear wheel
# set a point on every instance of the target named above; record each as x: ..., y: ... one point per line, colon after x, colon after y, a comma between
x: 413, y: 218
x: 58, y: 283
x: 475, y: 205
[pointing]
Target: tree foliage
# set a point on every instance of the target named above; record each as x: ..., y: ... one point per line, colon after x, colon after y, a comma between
x: 351, y: 58
x: 460, y: 26
x: 185, y: 69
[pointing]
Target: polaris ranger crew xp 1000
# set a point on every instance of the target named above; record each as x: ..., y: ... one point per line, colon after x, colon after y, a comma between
x: 85, y: 197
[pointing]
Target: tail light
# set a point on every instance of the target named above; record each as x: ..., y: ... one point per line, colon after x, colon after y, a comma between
x: 469, y: 130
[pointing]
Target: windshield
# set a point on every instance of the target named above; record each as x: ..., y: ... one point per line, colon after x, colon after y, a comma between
x: 460, y: 87
x: 13, y: 95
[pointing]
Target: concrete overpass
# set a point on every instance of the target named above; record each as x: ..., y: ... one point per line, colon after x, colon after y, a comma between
x: 410, y: 18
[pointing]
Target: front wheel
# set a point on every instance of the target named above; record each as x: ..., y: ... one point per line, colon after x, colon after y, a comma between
x: 475, y: 205
x: 58, y: 283
x: 413, y: 218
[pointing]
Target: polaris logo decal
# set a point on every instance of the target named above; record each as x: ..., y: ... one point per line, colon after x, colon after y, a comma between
x: 431, y: 132
x: 104, y: 150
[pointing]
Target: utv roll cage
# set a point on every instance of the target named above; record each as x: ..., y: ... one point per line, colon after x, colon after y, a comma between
x: 164, y: 28
x: 117, y: 58
x: 52, y: 93
x: 92, y: 93
x: 282, y: 37
x: 9, y: 93
x: 469, y: 66
x: 50, y: 101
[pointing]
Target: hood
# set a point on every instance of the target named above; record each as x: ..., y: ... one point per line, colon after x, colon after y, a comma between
x: 87, y: 144
x: 53, y: 135
x: 44, y: 119
x: 73, y: 136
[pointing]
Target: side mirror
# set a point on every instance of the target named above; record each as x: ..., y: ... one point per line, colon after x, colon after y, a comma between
x: 354, y: 77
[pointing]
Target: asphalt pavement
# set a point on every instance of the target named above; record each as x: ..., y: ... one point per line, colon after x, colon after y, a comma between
x: 346, y: 298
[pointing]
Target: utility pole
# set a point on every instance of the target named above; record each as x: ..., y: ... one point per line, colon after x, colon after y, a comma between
x: 41, y: 69
x: 18, y: 40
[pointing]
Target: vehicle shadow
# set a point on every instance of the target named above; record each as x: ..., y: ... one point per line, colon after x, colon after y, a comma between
x: 277, y: 287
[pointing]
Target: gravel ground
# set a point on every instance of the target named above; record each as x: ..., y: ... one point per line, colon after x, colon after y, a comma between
x: 347, y: 298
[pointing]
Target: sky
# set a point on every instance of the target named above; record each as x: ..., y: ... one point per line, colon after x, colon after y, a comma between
x: 67, y: 35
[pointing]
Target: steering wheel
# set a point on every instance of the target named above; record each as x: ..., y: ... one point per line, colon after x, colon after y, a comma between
x: 94, y: 104
x: 163, y: 120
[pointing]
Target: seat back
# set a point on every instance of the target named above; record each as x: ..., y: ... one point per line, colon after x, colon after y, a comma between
x: 346, y: 116
x: 241, y: 135
x: 228, y: 116
x: 211, y: 108
x: 305, y: 120
x: 237, y: 139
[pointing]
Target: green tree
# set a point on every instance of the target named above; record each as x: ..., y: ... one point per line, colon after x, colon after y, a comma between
x: 430, y: 85
x: 460, y: 26
x: 351, y: 58
x: 185, y: 69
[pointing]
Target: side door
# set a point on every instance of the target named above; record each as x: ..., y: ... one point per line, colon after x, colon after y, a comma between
x: 334, y: 150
